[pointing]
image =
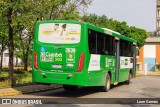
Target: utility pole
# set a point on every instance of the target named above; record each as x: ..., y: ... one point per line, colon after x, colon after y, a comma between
x: 158, y: 17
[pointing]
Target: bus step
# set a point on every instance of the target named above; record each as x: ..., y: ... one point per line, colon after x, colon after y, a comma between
x: 115, y: 83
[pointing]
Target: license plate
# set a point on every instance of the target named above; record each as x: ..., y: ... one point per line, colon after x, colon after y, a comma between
x: 57, y: 66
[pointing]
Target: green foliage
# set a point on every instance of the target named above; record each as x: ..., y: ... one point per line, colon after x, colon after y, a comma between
x: 3, y: 74
x: 26, y: 77
x: 102, y: 21
x: 139, y: 34
x: 3, y: 33
x: 96, y: 20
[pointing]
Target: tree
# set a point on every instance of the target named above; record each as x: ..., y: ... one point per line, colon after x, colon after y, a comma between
x: 3, y: 38
x: 7, y: 9
x: 100, y: 21
x: 139, y: 34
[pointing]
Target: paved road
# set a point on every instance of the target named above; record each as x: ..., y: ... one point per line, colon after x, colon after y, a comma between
x: 140, y: 87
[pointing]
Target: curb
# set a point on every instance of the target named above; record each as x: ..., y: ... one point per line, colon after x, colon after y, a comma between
x: 138, y: 75
x: 154, y: 74
x: 15, y: 92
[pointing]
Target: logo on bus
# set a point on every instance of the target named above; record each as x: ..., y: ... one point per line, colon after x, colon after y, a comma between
x: 108, y: 62
x: 50, y: 57
x: 70, y: 55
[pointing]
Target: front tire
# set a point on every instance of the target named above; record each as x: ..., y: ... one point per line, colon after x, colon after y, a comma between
x: 107, y: 87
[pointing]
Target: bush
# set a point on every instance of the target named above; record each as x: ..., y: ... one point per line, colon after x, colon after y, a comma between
x: 20, y: 78
x: 23, y: 78
x: 6, y: 68
x: 20, y: 68
x: 5, y: 84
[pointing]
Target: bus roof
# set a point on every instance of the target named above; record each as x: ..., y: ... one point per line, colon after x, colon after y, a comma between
x: 59, y: 21
x: 112, y: 31
x: 103, y: 30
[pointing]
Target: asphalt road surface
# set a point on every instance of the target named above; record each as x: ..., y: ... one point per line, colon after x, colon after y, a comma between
x: 140, y: 87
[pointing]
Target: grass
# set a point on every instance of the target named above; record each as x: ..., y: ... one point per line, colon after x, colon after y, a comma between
x: 3, y: 74
x: 21, y: 78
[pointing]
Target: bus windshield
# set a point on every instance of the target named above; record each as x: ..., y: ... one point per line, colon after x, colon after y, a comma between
x: 59, y: 33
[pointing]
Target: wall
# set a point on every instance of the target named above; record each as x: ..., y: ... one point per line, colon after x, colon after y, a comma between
x: 158, y: 53
x: 140, y: 59
x: 150, y: 56
x: 6, y: 59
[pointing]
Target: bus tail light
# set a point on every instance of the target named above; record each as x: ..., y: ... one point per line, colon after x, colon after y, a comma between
x: 80, y: 62
x: 35, y: 60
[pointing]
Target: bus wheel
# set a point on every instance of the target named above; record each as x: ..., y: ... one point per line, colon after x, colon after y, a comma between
x: 70, y: 87
x: 129, y: 78
x: 108, y: 83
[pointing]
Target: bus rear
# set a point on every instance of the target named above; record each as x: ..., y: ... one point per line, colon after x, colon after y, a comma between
x: 58, y: 52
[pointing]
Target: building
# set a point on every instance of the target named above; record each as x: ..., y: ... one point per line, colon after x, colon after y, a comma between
x: 149, y: 55
x: 158, y: 17
x: 5, y: 60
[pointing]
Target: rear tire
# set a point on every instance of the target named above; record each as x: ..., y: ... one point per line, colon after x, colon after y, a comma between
x: 129, y: 79
x: 70, y: 87
x: 107, y: 87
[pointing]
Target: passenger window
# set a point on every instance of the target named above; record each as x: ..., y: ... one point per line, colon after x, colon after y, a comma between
x: 92, y: 40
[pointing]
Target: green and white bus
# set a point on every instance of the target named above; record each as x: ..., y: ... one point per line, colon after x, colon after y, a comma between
x: 75, y: 54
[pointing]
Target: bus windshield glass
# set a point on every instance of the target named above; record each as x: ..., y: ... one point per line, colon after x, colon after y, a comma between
x: 59, y: 33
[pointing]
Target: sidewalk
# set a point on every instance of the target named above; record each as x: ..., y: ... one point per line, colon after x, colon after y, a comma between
x: 149, y: 73
x: 26, y: 89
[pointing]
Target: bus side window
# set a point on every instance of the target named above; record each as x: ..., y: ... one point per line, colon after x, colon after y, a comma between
x: 109, y: 45
x: 104, y: 46
x: 92, y: 41
x: 126, y: 48
x: 100, y: 45
x: 121, y: 48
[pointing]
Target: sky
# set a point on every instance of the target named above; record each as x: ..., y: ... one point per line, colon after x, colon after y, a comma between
x: 139, y: 13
